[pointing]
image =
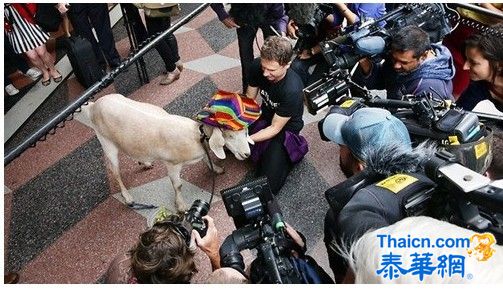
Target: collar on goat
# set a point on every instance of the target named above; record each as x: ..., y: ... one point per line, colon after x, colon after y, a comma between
x: 203, y: 136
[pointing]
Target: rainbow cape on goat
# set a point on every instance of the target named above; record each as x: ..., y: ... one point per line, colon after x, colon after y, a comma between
x: 230, y: 111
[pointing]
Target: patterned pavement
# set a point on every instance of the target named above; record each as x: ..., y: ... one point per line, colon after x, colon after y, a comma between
x: 64, y: 219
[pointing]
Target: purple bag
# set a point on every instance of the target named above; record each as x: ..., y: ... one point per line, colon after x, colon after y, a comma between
x: 295, y: 145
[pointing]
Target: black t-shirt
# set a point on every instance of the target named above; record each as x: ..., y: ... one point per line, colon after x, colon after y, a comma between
x: 284, y: 98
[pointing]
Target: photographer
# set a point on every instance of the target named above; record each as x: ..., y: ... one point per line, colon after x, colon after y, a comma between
x: 165, y: 254
x: 414, y: 66
x: 373, y: 140
x: 278, y: 145
x: 306, y: 25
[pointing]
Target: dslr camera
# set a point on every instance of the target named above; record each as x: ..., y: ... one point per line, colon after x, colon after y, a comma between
x: 259, y: 225
x: 194, y: 216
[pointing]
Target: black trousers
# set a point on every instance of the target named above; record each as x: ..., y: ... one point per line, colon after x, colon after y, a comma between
x: 275, y: 163
x: 246, y: 37
x: 167, y: 48
x: 12, y: 60
x: 84, y: 17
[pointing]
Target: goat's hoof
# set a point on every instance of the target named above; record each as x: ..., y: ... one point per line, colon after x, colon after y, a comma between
x: 146, y: 165
x: 182, y: 208
x: 218, y: 170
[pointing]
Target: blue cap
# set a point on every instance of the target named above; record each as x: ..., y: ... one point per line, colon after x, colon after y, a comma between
x: 366, y: 127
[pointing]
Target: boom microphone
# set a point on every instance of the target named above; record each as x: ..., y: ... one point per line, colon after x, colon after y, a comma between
x: 302, y: 13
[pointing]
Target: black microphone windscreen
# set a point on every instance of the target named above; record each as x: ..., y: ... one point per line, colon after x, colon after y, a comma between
x: 302, y: 13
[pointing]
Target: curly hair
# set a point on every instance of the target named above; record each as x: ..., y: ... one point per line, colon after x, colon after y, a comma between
x: 490, y: 47
x: 277, y: 48
x: 162, y: 255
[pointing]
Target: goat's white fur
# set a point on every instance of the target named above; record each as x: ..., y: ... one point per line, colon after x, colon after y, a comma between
x: 365, y: 254
x: 147, y: 133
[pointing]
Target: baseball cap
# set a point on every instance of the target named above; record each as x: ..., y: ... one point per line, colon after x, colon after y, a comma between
x: 230, y: 111
x: 366, y: 127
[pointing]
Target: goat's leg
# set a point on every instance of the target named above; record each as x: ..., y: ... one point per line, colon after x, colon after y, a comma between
x: 176, y: 181
x: 217, y: 169
x: 112, y: 153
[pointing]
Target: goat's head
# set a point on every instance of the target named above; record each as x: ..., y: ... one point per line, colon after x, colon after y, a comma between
x: 236, y: 141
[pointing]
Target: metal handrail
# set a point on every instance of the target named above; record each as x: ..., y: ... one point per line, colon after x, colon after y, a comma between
x: 90, y: 92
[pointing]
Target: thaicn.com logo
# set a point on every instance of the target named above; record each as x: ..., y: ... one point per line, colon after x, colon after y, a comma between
x: 422, y: 257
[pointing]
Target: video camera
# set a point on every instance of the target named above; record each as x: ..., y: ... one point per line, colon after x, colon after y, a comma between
x: 259, y: 225
x: 309, y: 21
x: 369, y: 39
x: 469, y: 197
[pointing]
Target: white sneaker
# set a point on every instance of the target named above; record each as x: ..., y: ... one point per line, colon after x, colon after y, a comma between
x: 34, y: 73
x: 11, y: 90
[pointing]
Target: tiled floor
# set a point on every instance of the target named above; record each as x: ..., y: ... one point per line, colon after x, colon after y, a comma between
x: 64, y: 220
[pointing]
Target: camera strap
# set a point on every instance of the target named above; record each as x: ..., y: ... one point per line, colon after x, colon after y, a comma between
x: 204, y: 139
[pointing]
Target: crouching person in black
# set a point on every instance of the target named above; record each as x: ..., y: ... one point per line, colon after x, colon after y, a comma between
x: 375, y: 142
x: 278, y: 145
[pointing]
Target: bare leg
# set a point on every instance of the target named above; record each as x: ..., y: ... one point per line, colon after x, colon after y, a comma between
x: 174, y: 176
x: 39, y: 63
x: 48, y: 60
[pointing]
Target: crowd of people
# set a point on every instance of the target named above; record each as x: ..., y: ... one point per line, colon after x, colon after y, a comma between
x: 369, y: 139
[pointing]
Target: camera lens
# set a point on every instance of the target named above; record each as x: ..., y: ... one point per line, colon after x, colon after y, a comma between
x: 199, y: 209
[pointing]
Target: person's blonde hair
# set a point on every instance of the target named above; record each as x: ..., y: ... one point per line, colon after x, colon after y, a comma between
x: 278, y: 49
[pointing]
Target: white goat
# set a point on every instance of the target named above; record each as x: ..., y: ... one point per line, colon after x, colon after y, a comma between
x: 147, y: 133
x: 365, y: 255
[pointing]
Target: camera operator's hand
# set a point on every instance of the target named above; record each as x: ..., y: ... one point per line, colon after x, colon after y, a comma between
x: 210, y: 243
x: 294, y: 235
x: 291, y: 29
x: 229, y: 23
x: 366, y: 66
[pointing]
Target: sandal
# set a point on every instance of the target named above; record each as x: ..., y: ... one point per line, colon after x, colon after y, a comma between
x: 58, y: 79
x: 46, y: 82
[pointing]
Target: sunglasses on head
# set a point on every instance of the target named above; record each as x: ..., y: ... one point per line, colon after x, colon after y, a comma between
x: 179, y: 229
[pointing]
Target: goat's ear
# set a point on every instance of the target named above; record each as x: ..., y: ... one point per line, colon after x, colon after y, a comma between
x: 217, y: 143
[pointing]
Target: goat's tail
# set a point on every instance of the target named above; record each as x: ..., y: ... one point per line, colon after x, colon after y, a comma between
x: 85, y: 115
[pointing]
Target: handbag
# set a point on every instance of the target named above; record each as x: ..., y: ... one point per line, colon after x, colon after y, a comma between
x: 47, y: 16
x: 159, y: 10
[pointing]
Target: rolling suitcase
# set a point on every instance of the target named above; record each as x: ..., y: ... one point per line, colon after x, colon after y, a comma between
x: 85, y: 66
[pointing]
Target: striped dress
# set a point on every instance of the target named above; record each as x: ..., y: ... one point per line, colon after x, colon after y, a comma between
x: 24, y: 35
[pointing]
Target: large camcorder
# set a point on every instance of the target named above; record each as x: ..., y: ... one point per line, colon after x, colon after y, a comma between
x: 308, y: 18
x: 369, y: 39
x: 259, y: 225
x: 454, y: 192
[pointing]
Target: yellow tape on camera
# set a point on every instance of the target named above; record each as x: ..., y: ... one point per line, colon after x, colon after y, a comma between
x: 480, y: 150
x: 347, y: 104
x: 453, y: 140
x: 397, y: 182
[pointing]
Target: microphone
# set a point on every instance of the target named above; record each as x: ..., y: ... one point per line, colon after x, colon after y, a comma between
x: 276, y: 215
x: 370, y: 45
x: 302, y: 13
